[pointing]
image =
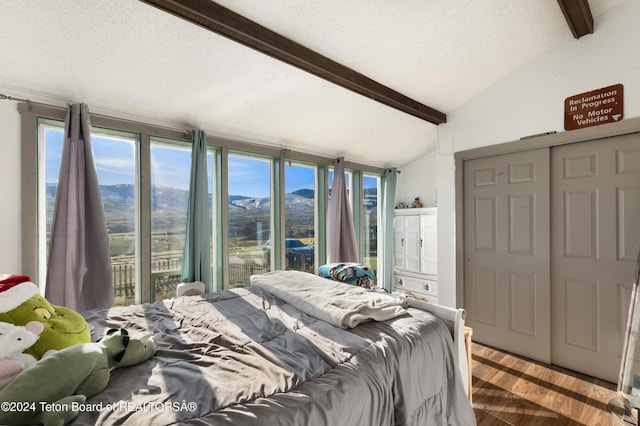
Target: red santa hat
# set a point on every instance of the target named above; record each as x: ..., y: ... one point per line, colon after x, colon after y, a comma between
x: 15, y: 290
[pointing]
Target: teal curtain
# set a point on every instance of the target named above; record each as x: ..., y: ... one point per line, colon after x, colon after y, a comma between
x: 197, y: 246
x: 388, y: 205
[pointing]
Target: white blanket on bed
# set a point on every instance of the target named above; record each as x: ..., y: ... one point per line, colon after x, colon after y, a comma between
x: 342, y: 305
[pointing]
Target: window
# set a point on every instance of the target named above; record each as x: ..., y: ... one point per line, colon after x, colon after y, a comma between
x: 115, y: 159
x: 367, y: 215
x: 170, y: 178
x: 115, y: 156
x: 370, y: 222
x: 250, y: 212
x: 50, y: 149
x: 300, y: 217
x: 144, y: 177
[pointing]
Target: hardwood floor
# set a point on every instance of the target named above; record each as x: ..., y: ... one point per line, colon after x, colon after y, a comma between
x: 511, y: 390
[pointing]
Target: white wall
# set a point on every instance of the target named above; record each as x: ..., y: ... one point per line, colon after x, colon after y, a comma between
x: 10, y: 198
x: 531, y: 101
x: 417, y: 179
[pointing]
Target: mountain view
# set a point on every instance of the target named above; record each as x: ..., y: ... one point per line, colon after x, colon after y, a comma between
x: 249, y: 217
x: 119, y: 204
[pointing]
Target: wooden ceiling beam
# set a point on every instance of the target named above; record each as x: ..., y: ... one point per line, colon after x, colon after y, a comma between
x: 578, y: 16
x: 227, y: 23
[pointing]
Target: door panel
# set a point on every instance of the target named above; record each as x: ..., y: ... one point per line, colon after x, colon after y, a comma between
x: 580, y: 227
x: 521, y: 222
x: 595, y: 236
x: 507, y: 291
x: 522, y: 318
x: 484, y: 232
x: 485, y: 302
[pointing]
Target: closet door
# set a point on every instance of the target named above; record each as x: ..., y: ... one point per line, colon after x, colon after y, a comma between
x: 506, y: 233
x: 595, y: 240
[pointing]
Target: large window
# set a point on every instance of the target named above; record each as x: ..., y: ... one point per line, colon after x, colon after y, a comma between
x: 370, y: 221
x: 300, y: 217
x: 273, y: 218
x: 170, y: 176
x: 115, y: 159
x: 117, y: 168
x: 250, y: 212
x: 366, y: 213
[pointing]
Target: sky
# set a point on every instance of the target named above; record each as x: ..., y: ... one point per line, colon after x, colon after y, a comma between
x: 170, y: 166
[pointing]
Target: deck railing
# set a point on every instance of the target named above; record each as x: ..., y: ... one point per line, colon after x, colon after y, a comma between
x: 166, y: 274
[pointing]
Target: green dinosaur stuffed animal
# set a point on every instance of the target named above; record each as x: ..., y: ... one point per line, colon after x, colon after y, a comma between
x: 21, y: 303
x: 66, y: 378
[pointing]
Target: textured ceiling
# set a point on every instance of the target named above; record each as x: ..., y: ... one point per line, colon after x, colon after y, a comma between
x: 127, y: 58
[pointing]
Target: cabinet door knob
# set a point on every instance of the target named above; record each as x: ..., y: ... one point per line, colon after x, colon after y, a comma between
x: 426, y: 286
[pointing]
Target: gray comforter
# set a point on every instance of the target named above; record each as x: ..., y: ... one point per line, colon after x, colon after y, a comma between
x: 245, y: 357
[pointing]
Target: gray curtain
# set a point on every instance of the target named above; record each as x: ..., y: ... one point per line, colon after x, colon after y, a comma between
x: 388, y: 205
x: 341, y: 234
x: 197, y: 248
x: 79, y: 269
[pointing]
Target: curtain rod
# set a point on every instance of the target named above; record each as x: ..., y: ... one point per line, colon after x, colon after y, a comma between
x: 11, y: 98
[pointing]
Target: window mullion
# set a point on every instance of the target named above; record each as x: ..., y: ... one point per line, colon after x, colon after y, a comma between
x: 357, y: 202
x: 218, y: 230
x: 224, y: 216
x: 144, y: 292
x: 321, y: 209
x: 278, y: 213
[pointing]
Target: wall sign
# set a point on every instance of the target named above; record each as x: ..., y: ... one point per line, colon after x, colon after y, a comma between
x: 594, y: 108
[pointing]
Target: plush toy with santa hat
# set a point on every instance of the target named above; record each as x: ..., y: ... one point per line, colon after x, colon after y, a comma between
x: 21, y: 303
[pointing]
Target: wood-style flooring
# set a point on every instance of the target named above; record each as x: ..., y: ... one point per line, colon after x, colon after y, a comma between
x: 511, y: 390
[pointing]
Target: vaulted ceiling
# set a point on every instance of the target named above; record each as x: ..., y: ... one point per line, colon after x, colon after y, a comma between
x: 428, y: 57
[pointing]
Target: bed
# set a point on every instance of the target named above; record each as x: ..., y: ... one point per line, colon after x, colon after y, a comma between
x: 250, y: 357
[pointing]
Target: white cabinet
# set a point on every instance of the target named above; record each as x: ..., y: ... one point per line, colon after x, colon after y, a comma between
x: 415, y: 240
x: 406, y: 231
x: 415, y: 252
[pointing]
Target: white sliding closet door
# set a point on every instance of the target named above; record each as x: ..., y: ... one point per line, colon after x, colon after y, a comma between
x: 595, y: 238
x: 506, y: 210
